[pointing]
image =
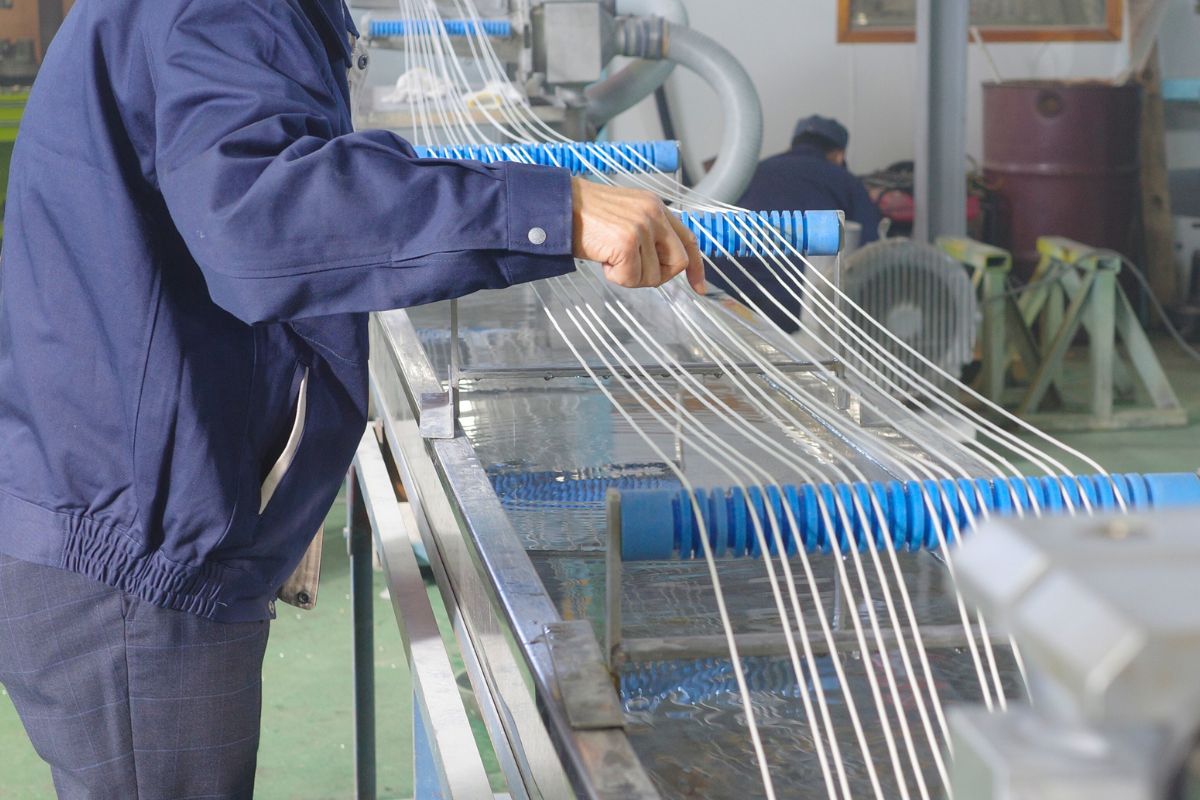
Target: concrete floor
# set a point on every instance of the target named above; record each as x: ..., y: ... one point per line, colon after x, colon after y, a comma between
x: 307, y: 745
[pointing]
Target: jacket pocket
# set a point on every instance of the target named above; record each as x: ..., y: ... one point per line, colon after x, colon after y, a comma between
x: 284, y: 462
x: 340, y: 336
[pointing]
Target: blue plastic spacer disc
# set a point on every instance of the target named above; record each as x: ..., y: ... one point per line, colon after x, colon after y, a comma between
x: 1072, y: 493
x: 1139, y: 491
x: 719, y: 532
x: 685, y: 522
x: 696, y: 545
x: 812, y: 518
x: 866, y: 526
x: 760, y: 510
x: 930, y: 500
x: 1002, y: 496
x: 853, y: 536
x: 918, y: 515
x: 969, y: 492
x: 648, y: 525
x: 781, y: 519
x: 898, y: 516
x: 1106, y: 494
x: 1026, y: 491
x: 1052, y: 491
x: 953, y: 518
x: 822, y: 233
x: 797, y: 538
x: 737, y: 519
x: 1123, y: 489
x: 830, y: 522
x: 881, y: 520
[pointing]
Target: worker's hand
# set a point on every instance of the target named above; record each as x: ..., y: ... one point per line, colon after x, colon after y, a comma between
x: 633, y: 236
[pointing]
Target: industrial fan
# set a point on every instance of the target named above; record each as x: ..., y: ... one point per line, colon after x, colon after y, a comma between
x: 919, y: 294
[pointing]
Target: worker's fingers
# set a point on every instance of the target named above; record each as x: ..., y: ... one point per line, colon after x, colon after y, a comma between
x: 652, y: 272
x: 695, y: 263
x: 672, y: 254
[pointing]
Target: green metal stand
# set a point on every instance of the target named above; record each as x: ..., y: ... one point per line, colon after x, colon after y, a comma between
x: 1074, y: 286
x: 12, y: 106
x: 1002, y: 329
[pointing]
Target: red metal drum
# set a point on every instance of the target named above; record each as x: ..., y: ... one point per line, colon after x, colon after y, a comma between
x: 1063, y: 160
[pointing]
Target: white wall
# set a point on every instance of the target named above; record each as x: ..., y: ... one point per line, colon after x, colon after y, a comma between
x: 789, y: 48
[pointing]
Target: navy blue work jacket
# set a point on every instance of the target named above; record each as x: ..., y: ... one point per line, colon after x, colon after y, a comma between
x: 801, y: 179
x: 193, y: 236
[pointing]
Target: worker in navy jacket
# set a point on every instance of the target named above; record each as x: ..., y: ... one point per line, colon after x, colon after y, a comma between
x: 194, y: 235
x: 811, y: 176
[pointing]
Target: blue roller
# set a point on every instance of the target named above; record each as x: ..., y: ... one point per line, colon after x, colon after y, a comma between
x: 813, y: 233
x: 655, y: 523
x: 582, y: 158
x: 384, y: 28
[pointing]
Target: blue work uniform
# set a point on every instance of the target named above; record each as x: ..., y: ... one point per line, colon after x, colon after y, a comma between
x: 800, y: 179
x: 194, y: 235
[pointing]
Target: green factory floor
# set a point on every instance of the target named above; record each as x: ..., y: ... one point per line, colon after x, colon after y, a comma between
x: 307, y: 743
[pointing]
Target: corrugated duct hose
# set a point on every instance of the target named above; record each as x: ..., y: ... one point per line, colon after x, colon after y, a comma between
x: 674, y: 43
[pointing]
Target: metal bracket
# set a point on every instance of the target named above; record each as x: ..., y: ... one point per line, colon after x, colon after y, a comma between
x: 584, y: 684
x: 612, y: 578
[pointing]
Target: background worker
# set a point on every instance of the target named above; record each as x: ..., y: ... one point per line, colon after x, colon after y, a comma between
x: 811, y: 176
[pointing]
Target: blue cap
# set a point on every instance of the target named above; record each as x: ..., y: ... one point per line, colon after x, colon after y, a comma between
x: 825, y: 127
x: 1174, y: 489
x: 648, y: 526
x: 822, y: 233
x: 666, y: 155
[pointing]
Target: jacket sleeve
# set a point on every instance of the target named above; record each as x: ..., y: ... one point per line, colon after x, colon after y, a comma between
x: 286, y: 219
x: 863, y: 211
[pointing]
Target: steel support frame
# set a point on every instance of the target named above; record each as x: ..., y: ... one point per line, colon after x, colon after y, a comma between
x: 446, y: 760
x: 502, y: 616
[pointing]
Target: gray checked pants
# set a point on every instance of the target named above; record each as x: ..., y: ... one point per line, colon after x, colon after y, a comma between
x: 126, y: 700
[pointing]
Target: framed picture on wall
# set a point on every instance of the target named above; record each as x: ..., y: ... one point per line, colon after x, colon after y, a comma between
x: 998, y: 20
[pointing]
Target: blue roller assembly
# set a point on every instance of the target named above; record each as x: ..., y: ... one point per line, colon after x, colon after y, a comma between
x: 383, y: 28
x: 561, y: 489
x: 659, y: 523
x: 813, y: 233
x: 582, y: 158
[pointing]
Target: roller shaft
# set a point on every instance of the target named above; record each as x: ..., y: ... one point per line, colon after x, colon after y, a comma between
x: 741, y: 233
x: 383, y: 28
x: 581, y: 158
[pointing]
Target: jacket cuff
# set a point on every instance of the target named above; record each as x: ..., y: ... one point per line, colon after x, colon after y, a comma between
x: 539, y: 209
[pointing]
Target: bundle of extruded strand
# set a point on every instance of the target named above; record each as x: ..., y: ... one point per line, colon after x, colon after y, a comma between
x: 853, y: 379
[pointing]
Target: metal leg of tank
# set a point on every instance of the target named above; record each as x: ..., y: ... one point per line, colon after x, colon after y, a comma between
x: 358, y: 540
x: 426, y: 784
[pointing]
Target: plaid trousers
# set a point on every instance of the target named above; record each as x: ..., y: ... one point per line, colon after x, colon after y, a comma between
x: 123, y: 699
